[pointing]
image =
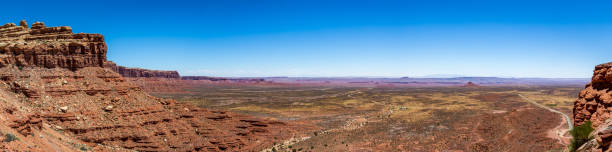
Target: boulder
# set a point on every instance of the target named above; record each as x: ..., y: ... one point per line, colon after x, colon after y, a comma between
x: 108, y: 108
x: 63, y: 109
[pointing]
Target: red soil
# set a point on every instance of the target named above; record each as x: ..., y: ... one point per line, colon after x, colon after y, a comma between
x: 57, y: 96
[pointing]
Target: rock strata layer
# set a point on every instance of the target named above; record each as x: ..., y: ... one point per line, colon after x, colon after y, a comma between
x: 57, y: 94
x: 141, y: 73
x: 49, y: 47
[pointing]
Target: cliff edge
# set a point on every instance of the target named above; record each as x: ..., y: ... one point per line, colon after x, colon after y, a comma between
x: 595, y: 104
x: 141, y: 73
x: 57, y: 95
x: 49, y: 47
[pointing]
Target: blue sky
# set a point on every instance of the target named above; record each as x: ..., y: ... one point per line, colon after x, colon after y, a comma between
x: 555, y: 39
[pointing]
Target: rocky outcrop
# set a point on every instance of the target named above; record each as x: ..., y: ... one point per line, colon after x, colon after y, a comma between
x: 141, y: 73
x: 595, y: 104
x: 26, y: 125
x: 49, y: 47
x: 601, y: 139
x: 595, y: 101
x: 470, y: 84
x: 57, y: 95
x: 78, y: 104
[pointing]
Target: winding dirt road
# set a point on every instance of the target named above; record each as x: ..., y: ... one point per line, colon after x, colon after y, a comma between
x: 567, y: 118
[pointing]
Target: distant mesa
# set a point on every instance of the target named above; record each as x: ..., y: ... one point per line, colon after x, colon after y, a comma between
x: 443, y: 76
x: 222, y: 79
x: 471, y: 84
x: 141, y: 73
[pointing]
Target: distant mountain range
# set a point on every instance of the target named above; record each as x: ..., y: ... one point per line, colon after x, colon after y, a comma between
x: 451, y: 81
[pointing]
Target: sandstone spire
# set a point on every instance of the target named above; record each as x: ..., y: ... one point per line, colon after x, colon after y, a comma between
x: 24, y: 24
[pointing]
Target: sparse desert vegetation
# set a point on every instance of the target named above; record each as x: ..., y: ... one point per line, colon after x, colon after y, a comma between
x: 580, y: 135
x: 400, y: 118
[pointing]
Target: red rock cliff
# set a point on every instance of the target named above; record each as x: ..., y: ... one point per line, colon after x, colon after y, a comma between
x: 595, y: 101
x: 595, y: 104
x: 49, y: 47
x: 138, y: 72
x: 57, y: 96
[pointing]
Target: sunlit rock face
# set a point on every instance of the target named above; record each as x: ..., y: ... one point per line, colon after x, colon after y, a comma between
x: 57, y: 94
x: 595, y: 101
x: 141, y: 73
x: 595, y: 104
x: 50, y: 47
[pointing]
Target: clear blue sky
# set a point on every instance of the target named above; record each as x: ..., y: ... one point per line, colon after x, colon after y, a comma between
x: 511, y: 38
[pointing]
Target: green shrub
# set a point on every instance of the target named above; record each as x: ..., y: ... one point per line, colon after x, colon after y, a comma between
x: 580, y: 135
x: 10, y: 137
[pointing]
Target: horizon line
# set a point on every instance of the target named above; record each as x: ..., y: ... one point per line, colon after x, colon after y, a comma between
x: 388, y: 77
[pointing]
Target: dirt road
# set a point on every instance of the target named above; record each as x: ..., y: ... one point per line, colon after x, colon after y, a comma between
x: 567, y: 118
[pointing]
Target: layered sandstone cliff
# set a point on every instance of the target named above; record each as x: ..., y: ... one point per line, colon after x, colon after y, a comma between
x: 141, y: 73
x: 56, y: 95
x: 49, y: 47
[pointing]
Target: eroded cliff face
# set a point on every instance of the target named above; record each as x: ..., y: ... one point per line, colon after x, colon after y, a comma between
x: 56, y: 95
x: 595, y: 101
x: 49, y: 47
x: 141, y: 73
x: 595, y: 104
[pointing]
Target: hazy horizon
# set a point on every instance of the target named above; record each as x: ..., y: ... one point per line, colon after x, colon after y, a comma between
x: 523, y: 39
x: 434, y: 76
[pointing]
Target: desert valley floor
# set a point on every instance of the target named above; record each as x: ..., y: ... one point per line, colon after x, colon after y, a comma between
x: 59, y: 92
x: 455, y: 118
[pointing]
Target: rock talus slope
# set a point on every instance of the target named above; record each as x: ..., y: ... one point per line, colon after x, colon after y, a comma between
x: 57, y: 95
x: 595, y: 104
